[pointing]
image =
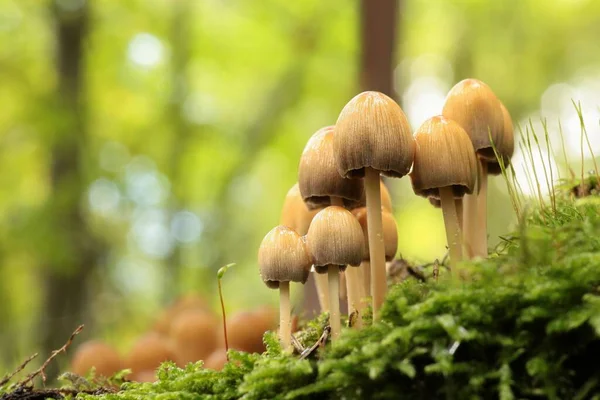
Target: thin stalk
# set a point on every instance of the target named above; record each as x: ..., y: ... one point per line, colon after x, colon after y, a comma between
x: 453, y: 233
x: 285, y: 322
x: 353, y: 283
x: 458, y: 203
x: 365, y: 266
x: 220, y: 274
x: 333, y: 273
x: 550, y: 151
x: 564, y: 150
x: 469, y: 224
x: 548, y: 185
x: 376, y: 244
x: 322, y: 291
x: 535, y: 175
x: 587, y: 139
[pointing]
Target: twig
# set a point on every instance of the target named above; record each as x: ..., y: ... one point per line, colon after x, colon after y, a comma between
x: 41, y: 370
x: 20, y: 368
x: 307, y: 352
x: 220, y: 274
x: 297, y: 345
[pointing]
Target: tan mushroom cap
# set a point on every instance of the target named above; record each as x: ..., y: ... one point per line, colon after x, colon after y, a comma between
x: 245, y: 329
x: 98, y: 355
x: 373, y: 131
x: 444, y: 157
x: 295, y: 213
x: 186, y: 302
x: 194, y: 336
x: 506, y: 147
x: 335, y: 237
x: 216, y: 360
x: 390, y: 232
x: 283, y: 257
x: 318, y: 177
x: 148, y: 352
x: 144, y: 376
x: 386, y: 199
x: 475, y: 107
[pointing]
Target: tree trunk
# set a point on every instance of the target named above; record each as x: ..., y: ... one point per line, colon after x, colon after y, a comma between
x: 68, y: 265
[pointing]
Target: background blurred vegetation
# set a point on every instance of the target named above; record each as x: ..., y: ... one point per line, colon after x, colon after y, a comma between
x: 145, y: 143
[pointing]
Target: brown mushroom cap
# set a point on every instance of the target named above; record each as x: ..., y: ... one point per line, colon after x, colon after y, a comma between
x: 216, y: 360
x: 98, y: 355
x: 444, y: 157
x: 373, y: 131
x: 506, y: 147
x: 245, y: 329
x: 194, y: 336
x: 144, y: 376
x: 475, y: 107
x: 386, y: 199
x: 335, y: 238
x: 390, y: 232
x: 186, y: 302
x: 148, y: 352
x: 318, y: 177
x: 283, y: 257
x: 295, y: 213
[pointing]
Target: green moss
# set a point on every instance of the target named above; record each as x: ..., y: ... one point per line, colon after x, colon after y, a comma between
x: 525, y: 324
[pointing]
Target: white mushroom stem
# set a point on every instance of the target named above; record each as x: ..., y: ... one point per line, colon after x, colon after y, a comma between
x: 459, y: 211
x: 453, y: 233
x: 285, y: 310
x: 322, y: 291
x: 470, y: 224
x: 376, y: 244
x: 333, y: 273
x: 481, y: 249
x: 365, y: 268
x: 353, y: 285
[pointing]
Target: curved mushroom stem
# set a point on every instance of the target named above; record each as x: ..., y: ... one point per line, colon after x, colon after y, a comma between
x: 376, y: 244
x: 333, y: 273
x: 322, y: 291
x: 453, y: 233
x: 353, y: 284
x: 285, y: 324
x: 482, y: 242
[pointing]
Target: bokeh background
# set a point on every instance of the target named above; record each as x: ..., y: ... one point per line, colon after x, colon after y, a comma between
x: 146, y: 143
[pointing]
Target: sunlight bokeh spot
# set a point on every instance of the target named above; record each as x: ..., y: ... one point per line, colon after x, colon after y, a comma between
x: 145, y: 50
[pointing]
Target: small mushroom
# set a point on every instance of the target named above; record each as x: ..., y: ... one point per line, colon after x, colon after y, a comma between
x: 186, y: 302
x: 335, y: 240
x: 475, y: 107
x: 216, y: 360
x: 373, y: 137
x: 245, y: 329
x: 148, y: 352
x: 506, y: 147
x: 98, y: 355
x: 282, y: 258
x: 445, y: 167
x: 194, y: 336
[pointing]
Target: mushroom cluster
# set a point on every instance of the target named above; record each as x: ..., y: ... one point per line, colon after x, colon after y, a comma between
x: 185, y: 332
x: 338, y: 217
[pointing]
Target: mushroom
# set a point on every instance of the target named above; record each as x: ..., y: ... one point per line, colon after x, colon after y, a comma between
x: 184, y: 303
x: 98, y: 355
x: 296, y: 215
x: 216, y: 360
x: 148, y: 352
x: 335, y: 240
x: 194, y: 336
x: 437, y: 203
x: 506, y: 147
x: 445, y: 168
x: 245, y: 329
x: 282, y: 258
x: 373, y: 137
x: 475, y: 107
x: 390, y: 238
x: 144, y: 376
x: 321, y: 185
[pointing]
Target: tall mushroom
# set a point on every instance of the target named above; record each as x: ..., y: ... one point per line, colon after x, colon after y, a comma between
x: 282, y: 258
x: 321, y: 185
x: 390, y: 235
x: 373, y: 137
x: 475, y: 107
x: 506, y: 147
x: 335, y: 240
x: 445, y: 168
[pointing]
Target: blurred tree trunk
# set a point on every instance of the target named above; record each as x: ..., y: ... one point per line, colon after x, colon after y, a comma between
x: 379, y: 25
x: 75, y: 251
x: 180, y: 56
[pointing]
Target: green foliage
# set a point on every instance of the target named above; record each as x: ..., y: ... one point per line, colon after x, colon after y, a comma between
x: 522, y: 324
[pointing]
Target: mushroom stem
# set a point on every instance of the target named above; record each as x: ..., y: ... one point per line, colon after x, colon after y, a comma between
x: 459, y: 212
x: 333, y: 273
x: 481, y: 231
x: 353, y: 285
x: 376, y: 244
x: 453, y: 233
x: 285, y: 324
x: 322, y: 291
x: 470, y: 224
x: 365, y: 267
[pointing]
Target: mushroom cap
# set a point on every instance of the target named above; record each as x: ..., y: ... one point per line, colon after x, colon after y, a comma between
x: 506, y: 147
x: 390, y: 232
x: 283, y: 257
x: 245, y: 329
x: 194, y: 336
x: 373, y: 131
x: 216, y: 360
x: 335, y: 237
x: 144, y: 376
x: 444, y: 157
x: 148, y: 352
x: 186, y: 302
x: 476, y: 108
x: 318, y: 177
x: 386, y: 199
x: 98, y: 355
x: 295, y: 213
